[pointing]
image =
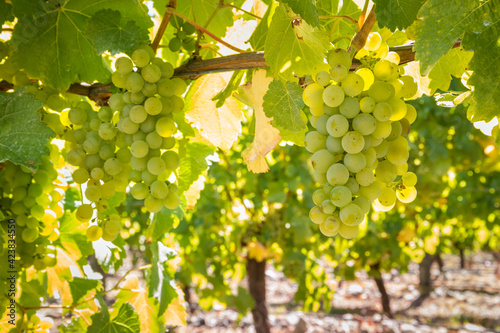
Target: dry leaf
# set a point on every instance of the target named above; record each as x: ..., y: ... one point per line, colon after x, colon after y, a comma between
x: 175, y: 315
x: 193, y: 193
x: 220, y: 126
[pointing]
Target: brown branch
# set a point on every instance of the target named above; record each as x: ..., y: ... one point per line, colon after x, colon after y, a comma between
x: 195, y: 68
x: 163, y: 25
x: 359, y: 40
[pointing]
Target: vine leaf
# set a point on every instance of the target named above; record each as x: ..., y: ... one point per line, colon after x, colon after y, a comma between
x: 397, y: 14
x: 23, y: 137
x: 193, y: 163
x: 5, y: 13
x: 161, y: 284
x: 283, y: 102
x: 258, y: 38
x: 79, y: 287
x: 220, y: 126
x: 454, y: 63
x: 50, y: 43
x: 293, y: 46
x: 266, y: 136
x: 201, y: 11
x: 337, y: 26
x: 306, y: 9
x: 59, y: 275
x: 108, y: 31
x: 125, y: 321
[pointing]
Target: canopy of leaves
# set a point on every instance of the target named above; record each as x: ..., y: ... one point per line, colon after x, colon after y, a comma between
x: 397, y: 14
x: 125, y: 321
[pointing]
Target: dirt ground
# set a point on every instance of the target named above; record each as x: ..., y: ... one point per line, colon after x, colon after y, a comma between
x: 463, y: 300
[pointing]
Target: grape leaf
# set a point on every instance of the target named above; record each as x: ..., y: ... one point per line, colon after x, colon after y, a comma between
x: 397, y: 14
x: 109, y: 32
x: 220, y: 126
x: 59, y: 275
x: 80, y: 287
x: 258, y: 38
x: 125, y: 321
x: 486, y: 72
x: 76, y: 325
x: 50, y: 43
x: 283, y: 103
x: 23, y: 137
x: 193, y: 163
x: 266, y: 136
x: 443, y: 22
x: 335, y: 25
x: 453, y: 63
x: 5, y: 13
x: 162, y: 222
x: 293, y: 46
x: 231, y: 86
x: 306, y: 9
x: 160, y: 285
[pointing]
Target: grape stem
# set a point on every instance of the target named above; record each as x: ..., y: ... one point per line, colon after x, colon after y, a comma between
x: 163, y: 25
x: 363, y: 14
x: 359, y: 40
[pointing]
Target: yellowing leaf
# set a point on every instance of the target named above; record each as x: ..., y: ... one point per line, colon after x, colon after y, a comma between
x: 257, y: 251
x: 59, y: 275
x: 193, y: 193
x: 175, y: 315
x: 220, y: 126
x: 266, y: 136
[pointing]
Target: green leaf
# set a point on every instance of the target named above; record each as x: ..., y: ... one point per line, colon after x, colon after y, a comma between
x: 109, y: 32
x: 76, y: 325
x: 453, y: 63
x: 486, y: 72
x: 306, y: 9
x: 5, y: 13
x: 293, y: 47
x: 232, y: 86
x: 162, y: 222
x: 79, y: 287
x: 442, y: 23
x: 50, y: 43
x: 337, y: 26
x: 193, y: 163
x: 258, y: 38
x: 23, y: 137
x: 71, y: 197
x: 284, y: 103
x: 31, y: 291
x: 125, y: 321
x: 397, y: 14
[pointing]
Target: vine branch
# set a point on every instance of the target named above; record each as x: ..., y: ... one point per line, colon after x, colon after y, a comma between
x: 359, y: 40
x: 163, y: 25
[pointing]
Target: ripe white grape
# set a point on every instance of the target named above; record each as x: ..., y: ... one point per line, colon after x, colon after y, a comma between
x: 322, y: 78
x: 321, y: 124
x: 386, y: 172
x: 355, y: 162
x: 322, y: 160
x: 317, y: 216
x: 341, y: 196
x: 384, y: 70
x: 334, y: 145
x: 319, y: 196
x: 409, y: 179
x: 396, y: 131
x: 352, y: 185
x: 341, y: 57
x: 406, y: 194
x: 363, y: 203
x: 364, y: 123
x: 351, y: 214
x: 314, y: 141
x: 367, y: 104
x: 337, y: 125
x: 398, y: 152
x: 368, y: 77
x: 383, y: 130
x: 373, y: 42
x: 331, y: 226
x: 353, y: 85
x: 353, y: 142
x: 387, y: 196
x: 313, y: 95
x: 333, y: 95
x: 348, y: 232
x: 338, y: 72
x: 398, y: 108
x: 337, y: 174
x: 411, y: 113
x: 350, y: 107
x: 370, y: 192
x: 381, y: 91
x: 328, y: 207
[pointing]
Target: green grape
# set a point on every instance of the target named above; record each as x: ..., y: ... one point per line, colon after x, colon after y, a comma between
x: 165, y: 127
x: 329, y: 110
x: 381, y: 149
x: 32, y: 223
x: 177, y: 104
x: 93, y: 193
x: 355, y: 162
x: 383, y: 130
x: 317, y: 111
x: 365, y: 177
x: 331, y: 226
x: 322, y: 160
x: 353, y: 85
x: 402, y: 169
x: 149, y: 89
x: 318, y: 197
x: 410, y: 87
x: 312, y: 95
x: 353, y: 142
x: 363, y: 203
x: 398, y: 151
x: 334, y: 145
x: 320, y: 177
x: 29, y: 235
x: 171, y: 159
x: 313, y: 119
x: 317, y: 216
x: 351, y: 215
x: 84, y: 213
x: 112, y: 166
x: 321, y: 124
x: 387, y: 197
x: 153, y: 106
x: 97, y: 173
x: 373, y: 42
x: 139, y: 164
x: 76, y: 157
x: 106, y: 113
x: 314, y: 141
x: 396, y: 131
x: 411, y: 113
x: 409, y: 179
x: 405, y: 126
x: 352, y: 185
x: 94, y: 233
x: 112, y: 227
x: 159, y: 189
x: 119, y: 80
x: 386, y: 172
x: 393, y: 57
x: 179, y: 86
x: 124, y: 65
x: 148, y: 125
x: 322, y: 78
x: 151, y: 73
x: 341, y: 57
x: 107, y: 131
x: 328, y: 207
x: 37, y: 211
x: 383, y: 111
x: 337, y: 125
x: 137, y: 98
x: 381, y: 91
x: 134, y: 82
x: 94, y: 124
x: 91, y: 146
x: 398, y: 87
x: 348, y: 231
x: 106, y: 151
x: 123, y: 155
x: 338, y: 72
x: 384, y: 70
x: 152, y: 204
x: 80, y: 176
x: 93, y: 161
x: 398, y: 108
x: 154, y: 140
x: 364, y: 123
x: 55, y: 102
x: 166, y: 87
x: 349, y: 108
x: 175, y: 44
x: 139, y: 149
x: 77, y: 116
x: 49, y: 261
x: 406, y: 194
x: 337, y: 174
x: 370, y: 192
x: 367, y: 76
x: 138, y: 114
x: 141, y: 57
x: 333, y: 96
x: 156, y: 166
x: 341, y: 196
x: 382, y: 51
x: 367, y: 104
x: 139, y: 191
x: 188, y: 28
x: 19, y: 193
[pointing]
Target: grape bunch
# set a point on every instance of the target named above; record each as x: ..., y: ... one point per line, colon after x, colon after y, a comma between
x: 146, y: 125
x: 359, y: 147
x: 184, y: 36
